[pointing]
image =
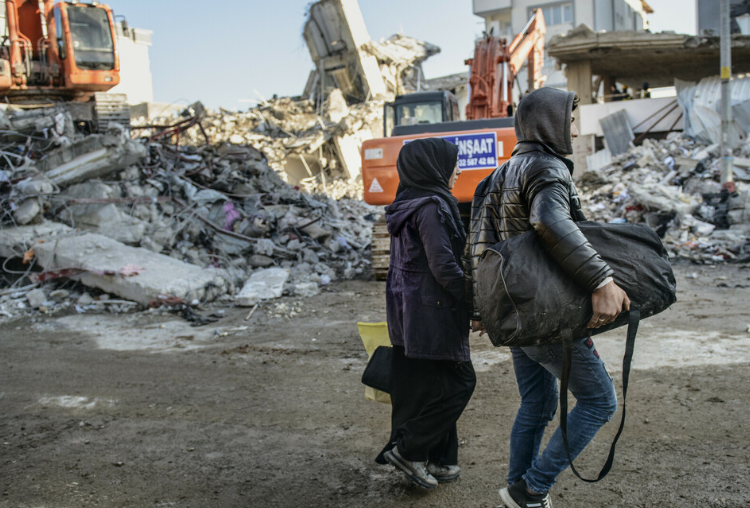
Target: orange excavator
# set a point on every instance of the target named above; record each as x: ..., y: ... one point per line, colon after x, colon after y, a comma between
x: 485, y: 140
x: 58, y: 51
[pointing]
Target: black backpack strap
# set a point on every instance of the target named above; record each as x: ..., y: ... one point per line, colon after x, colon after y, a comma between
x: 634, y: 319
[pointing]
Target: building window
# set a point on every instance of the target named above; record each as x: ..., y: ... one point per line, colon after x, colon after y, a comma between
x: 557, y: 14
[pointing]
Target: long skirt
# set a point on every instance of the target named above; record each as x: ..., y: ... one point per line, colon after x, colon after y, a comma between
x: 428, y: 397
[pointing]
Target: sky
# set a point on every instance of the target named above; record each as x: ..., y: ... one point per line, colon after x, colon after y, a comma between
x: 245, y: 50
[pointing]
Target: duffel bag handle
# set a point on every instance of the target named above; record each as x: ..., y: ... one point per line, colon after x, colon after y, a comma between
x: 633, y: 320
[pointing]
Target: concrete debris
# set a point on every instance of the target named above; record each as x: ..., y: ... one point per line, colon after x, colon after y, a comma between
x: 36, y: 298
x: 199, y: 218
x: 673, y: 185
x: 286, y: 310
x: 94, y: 156
x: 400, y: 58
x: 263, y: 285
x: 134, y: 274
x: 307, y: 146
x: 14, y: 242
x: 335, y: 34
x: 306, y: 289
x: 184, y: 209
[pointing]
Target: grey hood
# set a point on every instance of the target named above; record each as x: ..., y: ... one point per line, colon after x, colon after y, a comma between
x: 543, y: 116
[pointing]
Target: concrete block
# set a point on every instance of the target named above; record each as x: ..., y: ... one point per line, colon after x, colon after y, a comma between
x: 36, y: 298
x: 103, y: 259
x: 263, y: 285
x: 27, y: 211
x: 306, y: 289
x: 93, y: 157
x: 260, y: 261
x: 15, y: 241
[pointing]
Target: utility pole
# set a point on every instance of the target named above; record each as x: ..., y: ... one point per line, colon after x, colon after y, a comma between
x: 726, y: 95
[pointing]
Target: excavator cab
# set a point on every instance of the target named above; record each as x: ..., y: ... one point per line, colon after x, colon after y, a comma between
x: 85, y: 46
x: 419, y: 108
x: 64, y: 49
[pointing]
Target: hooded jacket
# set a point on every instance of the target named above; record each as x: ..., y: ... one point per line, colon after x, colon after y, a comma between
x: 425, y: 283
x: 535, y: 190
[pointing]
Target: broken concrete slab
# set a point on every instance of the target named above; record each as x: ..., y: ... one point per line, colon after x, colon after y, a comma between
x: 94, y: 156
x: 263, y: 285
x: 155, y: 275
x: 15, y: 241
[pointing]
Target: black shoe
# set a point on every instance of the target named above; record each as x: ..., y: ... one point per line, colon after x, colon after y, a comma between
x: 516, y: 496
x: 416, y: 471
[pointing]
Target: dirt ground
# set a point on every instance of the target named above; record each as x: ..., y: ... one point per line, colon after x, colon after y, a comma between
x: 143, y: 410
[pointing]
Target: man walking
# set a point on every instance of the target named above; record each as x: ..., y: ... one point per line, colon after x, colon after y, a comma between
x: 534, y: 190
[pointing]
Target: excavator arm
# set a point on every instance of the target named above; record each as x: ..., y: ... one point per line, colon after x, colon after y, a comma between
x: 496, y: 64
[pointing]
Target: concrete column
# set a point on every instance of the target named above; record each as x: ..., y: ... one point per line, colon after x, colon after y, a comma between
x: 579, y: 81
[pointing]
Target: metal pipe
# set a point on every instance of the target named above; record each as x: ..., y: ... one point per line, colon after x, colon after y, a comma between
x: 655, y: 113
x: 643, y: 135
x: 671, y: 127
x: 726, y: 92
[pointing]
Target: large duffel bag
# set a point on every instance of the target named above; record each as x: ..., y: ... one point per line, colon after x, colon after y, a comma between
x: 526, y: 299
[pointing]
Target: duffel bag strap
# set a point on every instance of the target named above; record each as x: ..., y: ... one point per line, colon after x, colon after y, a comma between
x: 634, y: 319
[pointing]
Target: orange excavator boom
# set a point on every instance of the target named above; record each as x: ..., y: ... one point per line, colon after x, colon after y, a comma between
x: 496, y: 64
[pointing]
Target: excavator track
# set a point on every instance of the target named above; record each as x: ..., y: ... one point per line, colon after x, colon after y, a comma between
x: 111, y: 107
x: 381, y: 249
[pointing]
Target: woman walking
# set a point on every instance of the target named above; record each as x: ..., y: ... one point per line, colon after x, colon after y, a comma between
x: 432, y: 375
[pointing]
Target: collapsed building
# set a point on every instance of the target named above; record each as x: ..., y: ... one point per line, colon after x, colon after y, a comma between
x: 152, y: 221
x: 235, y: 207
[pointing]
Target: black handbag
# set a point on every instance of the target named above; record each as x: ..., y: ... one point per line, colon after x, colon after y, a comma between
x: 526, y: 299
x: 377, y: 374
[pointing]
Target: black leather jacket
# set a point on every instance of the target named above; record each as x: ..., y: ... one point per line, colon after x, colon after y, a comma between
x: 534, y: 189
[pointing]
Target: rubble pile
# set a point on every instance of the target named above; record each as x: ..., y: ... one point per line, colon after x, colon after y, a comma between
x: 290, y: 129
x: 276, y: 127
x: 153, y: 222
x: 673, y: 185
x: 400, y: 58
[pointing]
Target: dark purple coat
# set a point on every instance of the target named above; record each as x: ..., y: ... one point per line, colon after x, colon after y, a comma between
x: 425, y: 285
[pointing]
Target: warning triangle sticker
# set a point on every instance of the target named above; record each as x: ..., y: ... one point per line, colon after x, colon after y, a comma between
x: 375, y: 186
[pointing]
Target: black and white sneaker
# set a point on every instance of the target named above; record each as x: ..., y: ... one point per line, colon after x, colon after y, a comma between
x: 516, y: 496
x: 416, y: 471
x: 444, y: 474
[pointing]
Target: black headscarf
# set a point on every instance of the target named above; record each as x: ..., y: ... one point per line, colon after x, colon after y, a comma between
x: 424, y: 169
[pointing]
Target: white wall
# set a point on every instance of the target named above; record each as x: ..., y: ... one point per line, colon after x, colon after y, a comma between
x: 481, y: 6
x: 136, y: 80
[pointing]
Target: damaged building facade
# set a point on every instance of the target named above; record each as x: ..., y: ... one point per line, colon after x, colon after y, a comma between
x: 657, y: 161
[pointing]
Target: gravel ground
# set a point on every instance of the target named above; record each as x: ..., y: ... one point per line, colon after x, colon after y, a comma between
x: 143, y: 410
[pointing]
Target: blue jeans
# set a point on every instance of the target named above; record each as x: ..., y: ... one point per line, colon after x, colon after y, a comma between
x: 537, y: 370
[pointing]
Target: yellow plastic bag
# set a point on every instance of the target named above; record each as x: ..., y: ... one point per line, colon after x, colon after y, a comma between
x: 374, y: 335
